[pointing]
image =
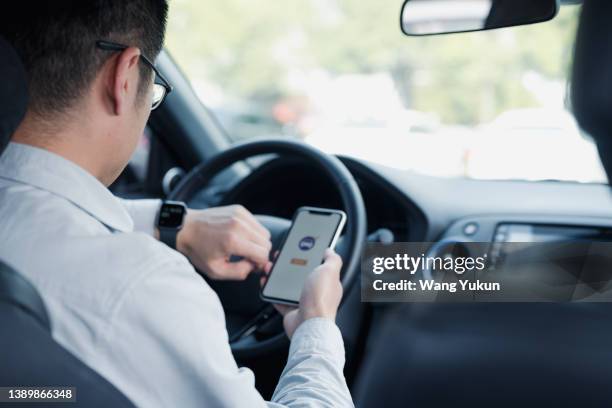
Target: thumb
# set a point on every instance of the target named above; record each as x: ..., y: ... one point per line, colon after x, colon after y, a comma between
x: 332, y: 260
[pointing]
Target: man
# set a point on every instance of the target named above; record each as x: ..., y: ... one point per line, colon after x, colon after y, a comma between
x: 129, y: 306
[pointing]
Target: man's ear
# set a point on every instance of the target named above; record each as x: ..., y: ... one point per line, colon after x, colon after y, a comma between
x: 122, y: 80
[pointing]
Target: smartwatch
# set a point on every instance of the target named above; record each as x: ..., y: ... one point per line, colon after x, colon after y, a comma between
x: 170, y: 221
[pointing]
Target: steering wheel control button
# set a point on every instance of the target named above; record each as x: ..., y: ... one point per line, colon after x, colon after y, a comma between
x: 171, y: 179
x: 470, y: 229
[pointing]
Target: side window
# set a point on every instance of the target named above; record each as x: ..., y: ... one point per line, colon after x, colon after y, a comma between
x: 143, y: 177
x: 132, y: 181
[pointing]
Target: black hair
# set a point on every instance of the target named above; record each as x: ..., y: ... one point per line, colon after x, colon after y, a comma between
x: 56, y: 41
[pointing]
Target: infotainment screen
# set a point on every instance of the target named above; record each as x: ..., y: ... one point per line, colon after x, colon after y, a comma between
x: 515, y: 238
x: 550, y: 233
x: 554, y: 262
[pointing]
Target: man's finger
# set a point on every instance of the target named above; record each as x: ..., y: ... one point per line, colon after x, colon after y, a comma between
x: 332, y: 260
x: 283, y: 309
x: 236, y: 270
x: 266, y: 271
x: 251, y: 251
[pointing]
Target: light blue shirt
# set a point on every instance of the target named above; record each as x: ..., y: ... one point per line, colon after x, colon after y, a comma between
x: 130, y: 307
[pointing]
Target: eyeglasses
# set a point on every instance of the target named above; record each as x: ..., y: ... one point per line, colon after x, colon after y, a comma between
x: 160, y: 90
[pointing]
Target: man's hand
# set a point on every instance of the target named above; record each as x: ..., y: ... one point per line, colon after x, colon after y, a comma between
x: 210, y: 236
x: 320, y: 297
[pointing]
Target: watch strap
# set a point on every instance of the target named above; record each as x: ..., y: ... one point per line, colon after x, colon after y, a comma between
x: 168, y: 236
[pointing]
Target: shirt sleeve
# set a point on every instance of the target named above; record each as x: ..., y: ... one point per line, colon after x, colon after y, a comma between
x: 167, y: 345
x: 314, y: 373
x: 143, y: 213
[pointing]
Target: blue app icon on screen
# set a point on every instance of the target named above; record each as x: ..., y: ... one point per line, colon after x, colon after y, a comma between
x: 306, y: 243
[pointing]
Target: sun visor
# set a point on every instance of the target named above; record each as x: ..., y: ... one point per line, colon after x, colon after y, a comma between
x: 13, y: 92
x: 591, y: 90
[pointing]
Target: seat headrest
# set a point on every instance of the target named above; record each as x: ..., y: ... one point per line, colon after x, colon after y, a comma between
x: 19, y: 293
x: 13, y: 92
x: 591, y: 89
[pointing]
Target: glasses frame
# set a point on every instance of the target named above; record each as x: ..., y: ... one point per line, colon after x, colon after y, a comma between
x: 112, y: 46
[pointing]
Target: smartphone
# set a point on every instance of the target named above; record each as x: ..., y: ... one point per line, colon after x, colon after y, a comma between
x: 313, y: 230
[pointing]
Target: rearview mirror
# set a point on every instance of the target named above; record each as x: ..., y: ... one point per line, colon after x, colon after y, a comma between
x: 428, y: 17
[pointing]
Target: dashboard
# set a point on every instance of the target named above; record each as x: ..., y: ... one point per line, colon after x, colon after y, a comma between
x: 448, y: 205
x: 415, y: 207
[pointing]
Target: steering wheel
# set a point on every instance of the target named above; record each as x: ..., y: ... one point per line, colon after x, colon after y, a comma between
x: 245, y: 342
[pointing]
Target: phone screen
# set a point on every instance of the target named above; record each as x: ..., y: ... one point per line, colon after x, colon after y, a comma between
x: 310, y: 235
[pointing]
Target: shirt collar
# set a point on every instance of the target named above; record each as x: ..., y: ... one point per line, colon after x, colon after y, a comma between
x: 48, y: 171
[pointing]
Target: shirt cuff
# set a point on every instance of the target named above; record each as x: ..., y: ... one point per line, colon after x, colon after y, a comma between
x: 318, y: 335
x: 143, y: 213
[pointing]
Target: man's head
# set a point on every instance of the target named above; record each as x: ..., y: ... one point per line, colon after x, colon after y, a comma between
x: 85, y: 99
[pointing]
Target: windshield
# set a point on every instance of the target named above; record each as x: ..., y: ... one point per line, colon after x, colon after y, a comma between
x: 340, y: 75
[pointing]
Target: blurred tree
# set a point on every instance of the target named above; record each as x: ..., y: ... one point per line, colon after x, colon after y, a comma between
x: 233, y: 42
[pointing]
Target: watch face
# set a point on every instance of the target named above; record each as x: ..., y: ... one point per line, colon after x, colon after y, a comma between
x: 171, y: 215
